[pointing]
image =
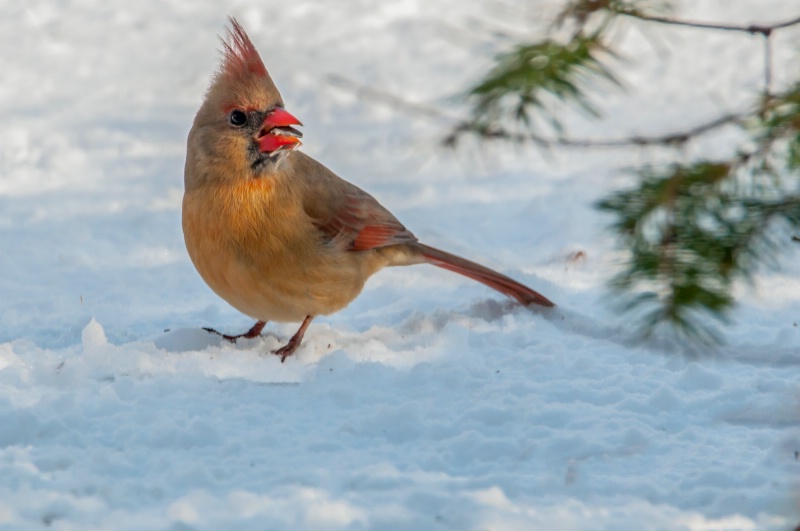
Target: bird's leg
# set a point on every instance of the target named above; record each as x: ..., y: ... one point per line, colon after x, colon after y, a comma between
x: 289, y: 348
x: 254, y: 331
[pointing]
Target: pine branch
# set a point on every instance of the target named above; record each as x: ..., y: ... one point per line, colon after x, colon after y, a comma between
x: 674, y: 138
x: 693, y: 229
x: 519, y: 80
x: 527, y: 80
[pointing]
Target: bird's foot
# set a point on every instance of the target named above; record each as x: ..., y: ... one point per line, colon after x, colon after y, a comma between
x: 289, y: 348
x: 255, y: 331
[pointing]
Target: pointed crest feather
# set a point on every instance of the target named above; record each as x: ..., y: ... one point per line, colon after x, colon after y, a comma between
x: 240, y: 57
x: 242, y: 79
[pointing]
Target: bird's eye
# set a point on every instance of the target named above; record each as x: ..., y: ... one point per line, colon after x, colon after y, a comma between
x: 238, y: 118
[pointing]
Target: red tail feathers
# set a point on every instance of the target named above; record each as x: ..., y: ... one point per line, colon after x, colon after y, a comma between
x: 511, y: 288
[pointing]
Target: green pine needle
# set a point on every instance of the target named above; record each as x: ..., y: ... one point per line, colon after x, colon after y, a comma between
x: 692, y: 230
x: 516, y: 89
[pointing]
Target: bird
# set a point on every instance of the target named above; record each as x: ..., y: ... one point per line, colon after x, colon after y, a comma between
x: 273, y: 232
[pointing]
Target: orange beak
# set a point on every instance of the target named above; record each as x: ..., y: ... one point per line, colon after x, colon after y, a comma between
x: 277, y: 132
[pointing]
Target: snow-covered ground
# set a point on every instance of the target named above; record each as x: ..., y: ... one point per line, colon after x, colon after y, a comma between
x: 430, y: 402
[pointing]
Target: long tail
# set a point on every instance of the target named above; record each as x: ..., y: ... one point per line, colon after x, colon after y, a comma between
x: 511, y: 288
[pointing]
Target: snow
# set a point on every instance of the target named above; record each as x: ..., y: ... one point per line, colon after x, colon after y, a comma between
x: 430, y: 402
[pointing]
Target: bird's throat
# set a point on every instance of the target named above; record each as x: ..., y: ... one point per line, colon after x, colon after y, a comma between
x: 265, y: 163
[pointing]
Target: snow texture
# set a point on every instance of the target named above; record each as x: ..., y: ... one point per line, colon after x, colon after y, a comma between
x: 430, y: 402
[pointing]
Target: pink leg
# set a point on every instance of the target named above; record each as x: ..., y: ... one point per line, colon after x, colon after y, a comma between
x: 289, y: 348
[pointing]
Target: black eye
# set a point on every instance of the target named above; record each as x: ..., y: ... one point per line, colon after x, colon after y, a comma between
x: 238, y: 118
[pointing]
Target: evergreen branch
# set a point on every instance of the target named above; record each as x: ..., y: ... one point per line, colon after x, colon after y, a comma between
x: 691, y: 229
x: 581, y: 11
x: 497, y: 133
x: 525, y: 81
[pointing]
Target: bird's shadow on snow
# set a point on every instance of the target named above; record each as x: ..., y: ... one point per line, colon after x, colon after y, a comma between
x: 563, y: 319
x: 490, y: 311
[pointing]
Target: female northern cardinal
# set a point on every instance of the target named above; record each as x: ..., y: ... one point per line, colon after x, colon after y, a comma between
x: 274, y: 232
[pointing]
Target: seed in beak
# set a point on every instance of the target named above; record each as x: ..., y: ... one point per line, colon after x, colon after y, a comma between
x: 275, y: 140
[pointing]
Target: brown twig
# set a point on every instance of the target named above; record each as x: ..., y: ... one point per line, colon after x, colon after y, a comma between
x: 497, y: 133
x: 668, y: 139
x: 767, y: 64
x: 765, y: 30
x: 753, y: 29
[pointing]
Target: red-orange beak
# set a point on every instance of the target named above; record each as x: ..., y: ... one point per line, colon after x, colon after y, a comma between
x: 277, y: 132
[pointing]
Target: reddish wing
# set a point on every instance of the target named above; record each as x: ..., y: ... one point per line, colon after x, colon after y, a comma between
x: 361, y: 223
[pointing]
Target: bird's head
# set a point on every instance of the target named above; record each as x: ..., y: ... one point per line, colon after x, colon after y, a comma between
x: 242, y: 124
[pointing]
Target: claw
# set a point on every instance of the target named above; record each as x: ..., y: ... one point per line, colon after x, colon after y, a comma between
x: 289, y: 348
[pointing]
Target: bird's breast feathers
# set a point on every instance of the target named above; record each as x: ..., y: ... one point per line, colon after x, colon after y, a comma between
x: 262, y: 254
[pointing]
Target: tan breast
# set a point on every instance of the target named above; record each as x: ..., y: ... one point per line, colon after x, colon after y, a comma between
x: 262, y: 254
